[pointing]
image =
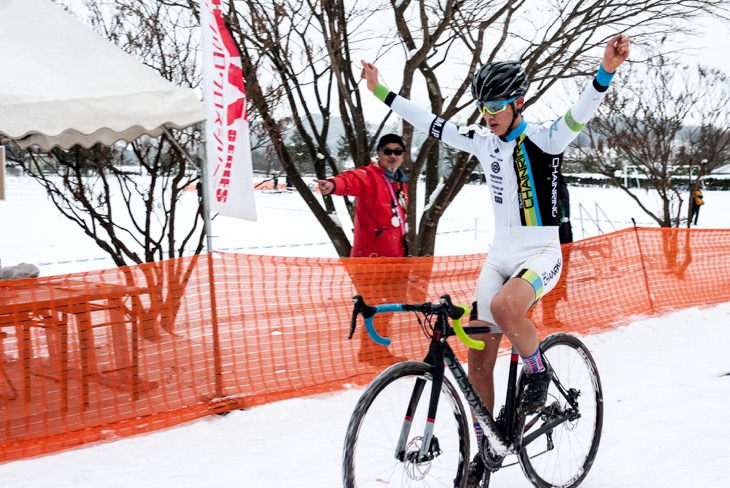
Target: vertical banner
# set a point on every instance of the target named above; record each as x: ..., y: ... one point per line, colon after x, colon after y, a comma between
x: 228, y: 148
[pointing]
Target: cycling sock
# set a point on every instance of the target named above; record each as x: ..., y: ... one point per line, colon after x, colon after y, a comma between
x: 533, y: 364
x: 479, y: 433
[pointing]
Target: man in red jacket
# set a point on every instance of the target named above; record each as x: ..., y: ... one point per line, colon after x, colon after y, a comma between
x: 381, y: 208
x: 381, y: 204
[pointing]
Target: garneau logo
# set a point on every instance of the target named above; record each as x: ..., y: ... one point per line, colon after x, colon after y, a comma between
x: 437, y: 127
x: 553, y: 273
x: 495, y: 167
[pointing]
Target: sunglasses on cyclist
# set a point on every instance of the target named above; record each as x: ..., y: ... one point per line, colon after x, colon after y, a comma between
x: 388, y: 151
x: 493, y: 107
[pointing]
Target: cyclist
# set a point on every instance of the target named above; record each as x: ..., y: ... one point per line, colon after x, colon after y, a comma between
x: 522, y: 161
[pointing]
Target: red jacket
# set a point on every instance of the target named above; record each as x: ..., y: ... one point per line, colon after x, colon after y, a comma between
x: 375, y: 235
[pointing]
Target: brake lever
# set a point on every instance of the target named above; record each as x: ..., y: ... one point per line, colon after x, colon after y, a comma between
x: 356, y: 310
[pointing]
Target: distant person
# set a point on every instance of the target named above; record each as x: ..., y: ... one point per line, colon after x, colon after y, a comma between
x: 695, y: 203
x: 275, y: 177
x: 381, y: 210
x: 522, y: 161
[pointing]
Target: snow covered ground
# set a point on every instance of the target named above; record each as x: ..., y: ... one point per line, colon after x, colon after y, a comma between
x: 33, y: 230
x: 666, y: 379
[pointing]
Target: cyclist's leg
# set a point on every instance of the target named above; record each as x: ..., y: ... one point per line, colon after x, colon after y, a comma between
x: 481, y: 374
x: 550, y: 317
x: 509, y: 309
x: 534, y: 277
x: 481, y: 363
x: 534, y: 271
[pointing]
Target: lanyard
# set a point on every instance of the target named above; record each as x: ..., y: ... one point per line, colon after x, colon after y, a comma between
x: 396, y: 206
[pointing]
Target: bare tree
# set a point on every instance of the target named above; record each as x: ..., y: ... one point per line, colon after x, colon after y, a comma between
x: 301, y: 65
x: 305, y: 58
x: 668, y: 123
x: 100, y: 190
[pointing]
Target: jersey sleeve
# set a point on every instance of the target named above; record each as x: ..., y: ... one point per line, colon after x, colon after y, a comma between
x: 461, y: 138
x: 565, y: 129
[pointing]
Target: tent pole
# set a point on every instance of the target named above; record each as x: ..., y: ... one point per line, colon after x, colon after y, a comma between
x: 203, y: 173
x: 200, y: 126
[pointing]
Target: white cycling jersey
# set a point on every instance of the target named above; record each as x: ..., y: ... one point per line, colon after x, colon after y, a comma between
x: 522, y: 168
x: 522, y: 173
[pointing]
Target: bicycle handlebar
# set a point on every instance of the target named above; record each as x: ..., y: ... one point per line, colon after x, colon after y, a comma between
x: 454, y: 312
x: 462, y: 335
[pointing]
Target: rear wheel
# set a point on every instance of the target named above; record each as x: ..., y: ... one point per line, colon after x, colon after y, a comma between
x: 380, y: 423
x: 562, y: 455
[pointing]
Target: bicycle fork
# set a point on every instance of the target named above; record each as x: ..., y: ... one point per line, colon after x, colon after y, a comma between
x: 429, y: 448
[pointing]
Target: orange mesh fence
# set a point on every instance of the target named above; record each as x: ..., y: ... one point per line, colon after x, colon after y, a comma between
x: 112, y: 353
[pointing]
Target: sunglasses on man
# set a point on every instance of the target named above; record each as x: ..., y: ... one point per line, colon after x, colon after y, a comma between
x: 388, y: 151
x: 493, y: 107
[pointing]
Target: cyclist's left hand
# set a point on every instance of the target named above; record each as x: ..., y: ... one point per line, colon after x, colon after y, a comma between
x: 369, y: 74
x: 617, y: 51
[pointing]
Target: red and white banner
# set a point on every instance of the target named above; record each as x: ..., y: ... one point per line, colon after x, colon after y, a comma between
x: 228, y: 148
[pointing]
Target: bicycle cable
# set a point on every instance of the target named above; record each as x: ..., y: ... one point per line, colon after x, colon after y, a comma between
x: 426, y: 324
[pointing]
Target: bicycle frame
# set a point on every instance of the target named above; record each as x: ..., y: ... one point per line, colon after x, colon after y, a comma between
x: 501, y: 437
x: 508, y: 433
x: 440, y: 353
x: 500, y: 440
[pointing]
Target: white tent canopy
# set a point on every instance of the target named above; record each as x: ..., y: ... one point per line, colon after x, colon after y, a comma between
x: 61, y: 84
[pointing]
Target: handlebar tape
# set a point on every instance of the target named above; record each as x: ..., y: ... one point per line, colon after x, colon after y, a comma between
x: 459, y: 330
x: 383, y: 341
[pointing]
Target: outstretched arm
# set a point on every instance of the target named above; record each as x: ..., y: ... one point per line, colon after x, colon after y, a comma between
x: 616, y: 52
x: 562, y: 134
x: 417, y: 116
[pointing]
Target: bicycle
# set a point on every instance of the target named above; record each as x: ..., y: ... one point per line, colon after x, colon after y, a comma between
x: 395, y: 439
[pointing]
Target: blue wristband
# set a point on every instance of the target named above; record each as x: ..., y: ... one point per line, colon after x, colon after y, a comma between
x: 603, y: 77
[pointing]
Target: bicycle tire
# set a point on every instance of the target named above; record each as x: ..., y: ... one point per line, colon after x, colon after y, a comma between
x: 575, y: 443
x: 369, y: 457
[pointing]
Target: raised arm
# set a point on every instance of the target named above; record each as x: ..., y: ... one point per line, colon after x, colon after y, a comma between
x: 566, y: 128
x: 420, y: 118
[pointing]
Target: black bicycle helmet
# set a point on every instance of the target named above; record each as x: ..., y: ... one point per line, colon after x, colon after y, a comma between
x: 503, y: 79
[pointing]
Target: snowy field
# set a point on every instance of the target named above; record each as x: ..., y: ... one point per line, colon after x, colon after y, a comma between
x: 33, y: 230
x: 666, y: 380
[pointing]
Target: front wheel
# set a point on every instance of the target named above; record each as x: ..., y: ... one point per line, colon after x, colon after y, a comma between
x: 562, y: 455
x: 389, y: 424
